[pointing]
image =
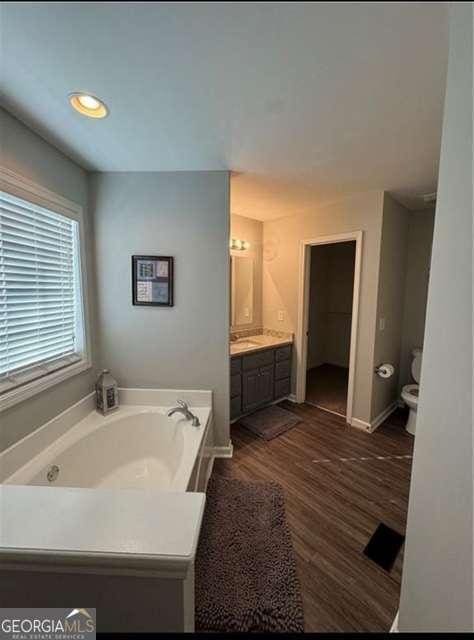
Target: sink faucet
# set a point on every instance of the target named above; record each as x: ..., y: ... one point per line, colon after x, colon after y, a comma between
x: 184, y: 409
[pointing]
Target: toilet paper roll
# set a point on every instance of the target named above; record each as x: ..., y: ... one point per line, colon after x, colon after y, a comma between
x: 385, y: 370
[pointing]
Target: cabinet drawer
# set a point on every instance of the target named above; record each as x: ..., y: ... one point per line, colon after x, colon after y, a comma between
x: 282, y: 369
x: 235, y: 385
x: 235, y: 365
x: 282, y: 388
x: 259, y: 359
x: 283, y: 353
x: 235, y: 407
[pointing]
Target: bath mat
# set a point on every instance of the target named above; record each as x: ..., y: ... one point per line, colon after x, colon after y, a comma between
x: 384, y: 545
x: 246, y: 576
x: 270, y: 422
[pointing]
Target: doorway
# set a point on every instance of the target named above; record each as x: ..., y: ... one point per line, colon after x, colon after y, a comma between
x: 331, y: 285
x: 327, y: 323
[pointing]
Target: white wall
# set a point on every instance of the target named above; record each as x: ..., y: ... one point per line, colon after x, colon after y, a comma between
x: 29, y: 155
x: 420, y: 240
x: 330, y: 304
x: 185, y: 215
x: 437, y: 587
x: 390, y: 300
x: 282, y: 240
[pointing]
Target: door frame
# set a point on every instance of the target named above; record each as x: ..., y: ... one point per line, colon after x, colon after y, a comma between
x: 303, y: 312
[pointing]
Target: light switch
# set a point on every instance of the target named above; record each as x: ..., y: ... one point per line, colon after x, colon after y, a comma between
x: 281, y: 316
x: 381, y: 324
x: 247, y: 312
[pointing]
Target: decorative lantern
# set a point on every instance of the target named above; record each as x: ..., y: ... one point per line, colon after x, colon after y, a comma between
x: 106, y: 391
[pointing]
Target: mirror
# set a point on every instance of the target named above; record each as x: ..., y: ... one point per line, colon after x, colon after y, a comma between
x: 241, y: 273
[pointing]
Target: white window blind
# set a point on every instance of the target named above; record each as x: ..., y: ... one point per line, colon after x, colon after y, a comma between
x: 39, y: 289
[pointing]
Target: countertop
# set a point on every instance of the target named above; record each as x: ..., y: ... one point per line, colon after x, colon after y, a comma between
x: 251, y: 344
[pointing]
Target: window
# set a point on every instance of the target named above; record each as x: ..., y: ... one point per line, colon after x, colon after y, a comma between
x: 42, y: 323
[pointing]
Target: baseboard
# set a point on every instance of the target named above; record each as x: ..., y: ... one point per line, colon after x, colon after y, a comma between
x: 370, y: 427
x: 223, y: 452
x: 383, y: 416
x: 292, y: 398
x: 360, y: 424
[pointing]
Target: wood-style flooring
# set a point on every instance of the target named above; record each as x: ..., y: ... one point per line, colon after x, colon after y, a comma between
x: 339, y: 484
x: 326, y: 387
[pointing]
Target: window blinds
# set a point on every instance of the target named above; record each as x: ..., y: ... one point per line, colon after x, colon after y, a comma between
x: 38, y: 285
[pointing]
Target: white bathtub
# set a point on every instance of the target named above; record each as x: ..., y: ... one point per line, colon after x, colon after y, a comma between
x: 136, y: 447
x: 125, y: 506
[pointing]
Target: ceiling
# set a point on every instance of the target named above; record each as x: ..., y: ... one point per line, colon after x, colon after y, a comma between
x: 305, y: 102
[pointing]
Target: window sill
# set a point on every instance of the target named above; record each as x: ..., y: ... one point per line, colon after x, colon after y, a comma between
x: 23, y: 392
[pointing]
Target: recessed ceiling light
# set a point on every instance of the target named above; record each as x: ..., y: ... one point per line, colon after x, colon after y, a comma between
x: 88, y: 105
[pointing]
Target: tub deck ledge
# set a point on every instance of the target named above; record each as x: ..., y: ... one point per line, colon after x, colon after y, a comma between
x: 95, y: 530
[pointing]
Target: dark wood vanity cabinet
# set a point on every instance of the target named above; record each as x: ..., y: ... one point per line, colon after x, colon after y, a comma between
x: 257, y: 387
x: 258, y: 379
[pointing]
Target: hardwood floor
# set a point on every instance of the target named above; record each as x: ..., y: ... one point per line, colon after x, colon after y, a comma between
x: 326, y: 387
x: 339, y: 484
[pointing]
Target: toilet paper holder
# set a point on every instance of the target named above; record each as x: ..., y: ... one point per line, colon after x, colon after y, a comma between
x: 385, y: 370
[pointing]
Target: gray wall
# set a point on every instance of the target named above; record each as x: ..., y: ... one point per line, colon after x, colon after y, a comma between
x: 390, y: 299
x: 330, y: 304
x: 29, y: 155
x: 437, y: 587
x: 420, y: 240
x: 185, y: 215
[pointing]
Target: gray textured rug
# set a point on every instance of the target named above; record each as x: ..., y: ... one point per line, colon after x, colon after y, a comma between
x: 270, y: 422
x: 246, y: 576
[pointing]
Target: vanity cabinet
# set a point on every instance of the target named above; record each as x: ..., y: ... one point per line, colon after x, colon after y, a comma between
x: 258, y: 379
x: 257, y: 387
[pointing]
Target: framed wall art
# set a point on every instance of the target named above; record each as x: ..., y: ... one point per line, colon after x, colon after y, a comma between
x: 152, y: 281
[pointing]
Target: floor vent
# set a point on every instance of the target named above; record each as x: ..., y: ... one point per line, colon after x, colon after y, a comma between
x: 384, y: 546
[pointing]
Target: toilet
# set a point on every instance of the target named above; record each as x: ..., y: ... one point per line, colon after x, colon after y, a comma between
x: 410, y: 391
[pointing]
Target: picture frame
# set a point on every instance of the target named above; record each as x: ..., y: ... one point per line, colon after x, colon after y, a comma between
x: 152, y: 281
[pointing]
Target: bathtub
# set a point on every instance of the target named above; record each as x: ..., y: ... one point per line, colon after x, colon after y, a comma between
x: 136, y: 447
x: 114, y: 505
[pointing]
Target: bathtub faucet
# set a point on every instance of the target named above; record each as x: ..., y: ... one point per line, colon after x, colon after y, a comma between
x: 184, y: 409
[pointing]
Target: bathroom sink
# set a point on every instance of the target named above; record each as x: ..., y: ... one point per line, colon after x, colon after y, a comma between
x: 246, y: 344
x: 242, y: 344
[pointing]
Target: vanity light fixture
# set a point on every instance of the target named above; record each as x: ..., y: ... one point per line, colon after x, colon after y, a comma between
x: 239, y: 245
x: 88, y: 105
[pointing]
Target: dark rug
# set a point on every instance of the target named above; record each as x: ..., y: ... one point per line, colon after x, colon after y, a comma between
x: 270, y: 422
x: 246, y: 576
x: 384, y: 546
